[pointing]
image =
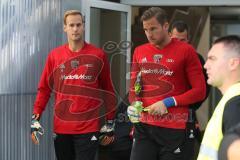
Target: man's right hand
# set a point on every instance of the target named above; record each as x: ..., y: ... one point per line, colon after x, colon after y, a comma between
x: 157, y: 108
x: 36, y: 128
x: 133, y: 114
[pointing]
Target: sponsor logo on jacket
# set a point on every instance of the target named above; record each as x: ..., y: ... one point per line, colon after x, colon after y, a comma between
x: 81, y: 76
x: 158, y: 71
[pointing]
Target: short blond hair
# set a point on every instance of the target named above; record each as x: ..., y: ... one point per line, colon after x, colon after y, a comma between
x: 71, y: 12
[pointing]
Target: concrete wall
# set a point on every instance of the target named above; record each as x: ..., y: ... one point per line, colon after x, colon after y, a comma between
x: 29, y: 29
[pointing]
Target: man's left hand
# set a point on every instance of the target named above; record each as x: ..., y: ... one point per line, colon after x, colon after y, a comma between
x: 107, y: 133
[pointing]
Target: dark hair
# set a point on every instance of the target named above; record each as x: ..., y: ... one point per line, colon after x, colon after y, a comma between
x: 157, y: 12
x: 180, y: 26
x: 231, y: 41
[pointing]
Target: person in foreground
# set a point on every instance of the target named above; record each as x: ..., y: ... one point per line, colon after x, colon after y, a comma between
x: 79, y: 76
x: 223, y: 70
x: 170, y: 76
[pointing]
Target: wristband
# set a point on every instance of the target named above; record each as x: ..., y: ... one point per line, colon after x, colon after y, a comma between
x: 169, y: 102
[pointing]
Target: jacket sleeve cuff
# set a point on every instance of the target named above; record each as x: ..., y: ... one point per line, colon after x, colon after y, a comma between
x: 169, y: 102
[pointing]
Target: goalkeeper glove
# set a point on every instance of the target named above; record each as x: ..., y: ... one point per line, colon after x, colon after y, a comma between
x: 36, y: 128
x: 134, y: 111
x: 107, y: 133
